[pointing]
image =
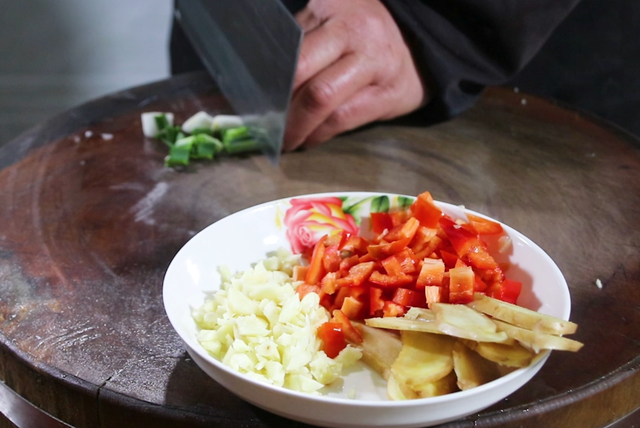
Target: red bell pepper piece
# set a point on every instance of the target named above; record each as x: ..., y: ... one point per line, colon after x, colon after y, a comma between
x: 315, y: 272
x: 333, y: 339
x: 507, y: 291
x: 390, y: 280
x: 331, y: 258
x: 406, y: 297
x: 304, y: 289
x: 381, y: 251
x: 376, y: 304
x: 357, y: 275
x: 431, y: 273
x: 407, y: 230
x: 350, y: 333
x: 381, y: 222
x: 426, y: 211
x: 484, y: 226
x: 461, y: 285
x: 392, y: 309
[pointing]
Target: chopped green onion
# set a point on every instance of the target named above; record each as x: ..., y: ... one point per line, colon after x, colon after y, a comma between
x: 241, y: 146
x: 178, y: 155
x: 233, y: 134
x: 161, y: 122
x: 198, y: 131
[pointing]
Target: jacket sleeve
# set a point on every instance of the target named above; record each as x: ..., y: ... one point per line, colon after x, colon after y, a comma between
x: 460, y: 46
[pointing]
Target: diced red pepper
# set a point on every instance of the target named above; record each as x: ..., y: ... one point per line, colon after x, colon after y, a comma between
x: 329, y: 283
x: 376, y: 304
x: 426, y: 211
x: 357, y: 275
x: 435, y: 294
x: 304, y: 289
x: 315, y: 272
x: 449, y: 259
x: 484, y: 226
x: 381, y: 222
x: 391, y: 280
x: 507, y: 291
x: 350, y: 333
x: 480, y: 286
x: 407, y: 261
x: 421, y: 238
x: 407, y: 230
x: 353, y: 308
x: 461, y: 285
x: 347, y: 264
x: 299, y: 272
x: 399, y: 217
x: 381, y: 251
x: 392, y: 309
x: 479, y: 257
x: 431, y: 273
x: 406, y: 297
x: 392, y: 266
x: 356, y: 245
x: 337, y: 239
x: 331, y: 258
x: 333, y: 339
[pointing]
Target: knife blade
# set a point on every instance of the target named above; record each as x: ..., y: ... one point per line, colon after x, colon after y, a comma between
x: 250, y: 48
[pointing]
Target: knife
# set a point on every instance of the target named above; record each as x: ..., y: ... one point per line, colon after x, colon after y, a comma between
x: 250, y: 48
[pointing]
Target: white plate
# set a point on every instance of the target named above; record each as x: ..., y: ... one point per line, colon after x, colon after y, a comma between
x: 246, y: 237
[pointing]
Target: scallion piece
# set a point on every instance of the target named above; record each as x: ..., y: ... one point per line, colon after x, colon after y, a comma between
x: 161, y: 122
x: 178, y: 155
x: 241, y: 146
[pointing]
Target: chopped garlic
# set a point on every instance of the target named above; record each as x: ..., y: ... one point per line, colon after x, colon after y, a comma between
x: 599, y: 283
x: 257, y: 324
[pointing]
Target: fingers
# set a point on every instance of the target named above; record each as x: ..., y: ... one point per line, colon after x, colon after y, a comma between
x: 320, y: 48
x: 368, y: 105
x: 320, y: 96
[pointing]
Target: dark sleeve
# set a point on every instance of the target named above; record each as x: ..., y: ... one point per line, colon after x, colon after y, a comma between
x: 461, y: 46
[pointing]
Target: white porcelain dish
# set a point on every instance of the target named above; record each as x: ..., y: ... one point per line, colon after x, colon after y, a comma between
x: 246, y: 237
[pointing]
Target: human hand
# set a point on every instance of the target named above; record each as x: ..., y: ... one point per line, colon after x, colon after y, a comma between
x: 354, y: 68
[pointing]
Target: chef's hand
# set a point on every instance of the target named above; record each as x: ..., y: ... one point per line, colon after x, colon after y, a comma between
x: 354, y: 68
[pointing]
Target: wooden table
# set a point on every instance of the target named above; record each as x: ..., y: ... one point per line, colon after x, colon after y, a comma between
x: 91, y: 219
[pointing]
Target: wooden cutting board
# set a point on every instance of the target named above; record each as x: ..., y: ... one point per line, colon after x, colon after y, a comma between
x: 91, y: 219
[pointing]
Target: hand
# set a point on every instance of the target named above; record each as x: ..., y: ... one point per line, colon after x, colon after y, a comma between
x: 354, y: 68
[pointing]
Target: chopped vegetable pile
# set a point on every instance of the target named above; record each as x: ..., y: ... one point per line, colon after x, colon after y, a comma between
x: 201, y: 137
x: 420, y: 256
